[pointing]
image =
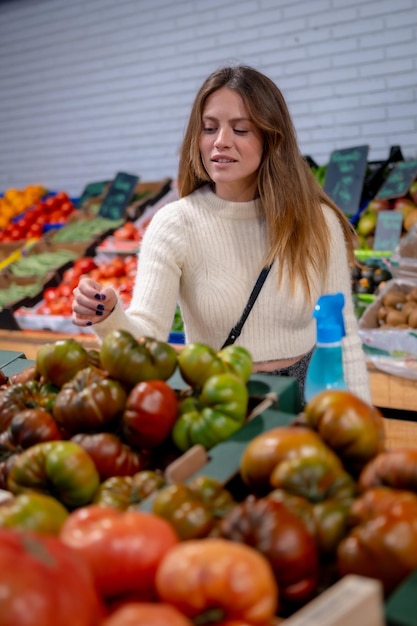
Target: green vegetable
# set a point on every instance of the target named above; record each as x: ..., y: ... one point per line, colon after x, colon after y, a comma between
x: 218, y: 412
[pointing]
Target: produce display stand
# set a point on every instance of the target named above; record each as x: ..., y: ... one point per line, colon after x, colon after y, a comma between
x: 353, y: 599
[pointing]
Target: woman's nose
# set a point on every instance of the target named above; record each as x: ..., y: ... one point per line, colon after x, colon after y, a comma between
x: 222, y: 138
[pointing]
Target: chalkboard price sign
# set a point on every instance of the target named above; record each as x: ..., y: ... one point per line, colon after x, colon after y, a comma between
x: 399, y: 180
x: 118, y: 196
x: 345, y: 177
x: 388, y: 230
x: 92, y: 190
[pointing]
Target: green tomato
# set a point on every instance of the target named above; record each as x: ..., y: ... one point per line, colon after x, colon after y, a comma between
x: 58, y: 362
x: 238, y: 360
x: 133, y: 360
x: 197, y: 362
x: 213, y: 416
x: 35, y: 512
x: 62, y: 469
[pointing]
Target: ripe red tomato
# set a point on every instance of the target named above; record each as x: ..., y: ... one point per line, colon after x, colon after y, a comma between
x: 150, y: 413
x: 51, y: 585
x: 50, y: 294
x: 85, y: 265
x: 35, y: 230
x: 64, y: 290
x: 123, y: 548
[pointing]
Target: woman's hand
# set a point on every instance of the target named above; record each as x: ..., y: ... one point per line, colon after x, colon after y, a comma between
x: 92, y: 302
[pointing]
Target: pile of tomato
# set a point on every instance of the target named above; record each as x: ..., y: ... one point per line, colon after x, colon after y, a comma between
x: 86, y: 436
x: 54, y: 209
x: 118, y: 272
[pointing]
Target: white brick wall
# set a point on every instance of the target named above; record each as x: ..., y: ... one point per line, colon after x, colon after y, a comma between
x: 92, y: 87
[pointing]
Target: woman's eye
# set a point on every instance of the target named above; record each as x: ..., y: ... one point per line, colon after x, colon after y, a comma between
x: 209, y: 129
x: 239, y: 131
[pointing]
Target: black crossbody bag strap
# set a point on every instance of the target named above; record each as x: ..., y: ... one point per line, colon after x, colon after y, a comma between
x: 237, y: 329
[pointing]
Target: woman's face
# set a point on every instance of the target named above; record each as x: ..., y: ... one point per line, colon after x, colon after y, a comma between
x: 230, y: 146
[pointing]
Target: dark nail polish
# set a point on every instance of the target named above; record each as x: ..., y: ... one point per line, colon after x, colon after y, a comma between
x: 100, y: 307
x: 97, y: 296
x: 98, y: 312
x: 89, y: 324
x: 103, y: 297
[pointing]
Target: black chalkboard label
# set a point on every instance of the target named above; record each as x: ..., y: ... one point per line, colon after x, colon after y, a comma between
x: 92, y: 190
x: 388, y: 230
x: 399, y: 180
x: 118, y: 196
x: 345, y: 177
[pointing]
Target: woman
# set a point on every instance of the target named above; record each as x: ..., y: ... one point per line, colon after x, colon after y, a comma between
x: 247, y: 199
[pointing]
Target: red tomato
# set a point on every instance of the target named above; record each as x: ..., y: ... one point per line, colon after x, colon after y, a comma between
x: 44, y: 582
x: 61, y: 197
x: 58, y: 307
x: 71, y: 276
x: 85, y: 265
x: 50, y: 294
x: 49, y: 204
x: 123, y: 548
x: 147, y: 614
x: 150, y: 413
x: 35, y: 230
x: 64, y: 290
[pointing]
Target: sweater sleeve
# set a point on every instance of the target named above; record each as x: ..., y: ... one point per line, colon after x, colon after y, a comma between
x: 338, y: 279
x: 155, y: 294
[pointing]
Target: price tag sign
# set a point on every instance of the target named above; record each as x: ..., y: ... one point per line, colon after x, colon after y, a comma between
x: 118, y: 196
x: 92, y: 190
x: 399, y: 180
x: 388, y: 230
x: 345, y: 177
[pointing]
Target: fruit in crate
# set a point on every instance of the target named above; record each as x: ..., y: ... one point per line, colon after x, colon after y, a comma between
x: 32, y: 222
x: 367, y: 223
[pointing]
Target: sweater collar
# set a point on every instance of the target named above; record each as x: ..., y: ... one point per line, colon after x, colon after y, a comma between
x: 231, y: 210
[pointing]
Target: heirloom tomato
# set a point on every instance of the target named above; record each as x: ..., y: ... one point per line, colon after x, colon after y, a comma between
x: 267, y: 451
x: 33, y: 511
x: 198, y: 362
x: 123, y: 548
x: 33, y: 426
x: 377, y: 501
x: 45, y: 583
x: 218, y: 412
x: 58, y: 362
x: 283, y: 539
x: 111, y: 456
x: 193, y: 509
x: 126, y: 492
x: 146, y: 614
x: 353, y: 428
x: 237, y: 360
x: 327, y: 489
x: 383, y: 547
x: 133, y: 360
x: 62, y: 469
x: 231, y: 580
x: 150, y: 413
x: 392, y: 468
x: 88, y: 401
x: 24, y: 395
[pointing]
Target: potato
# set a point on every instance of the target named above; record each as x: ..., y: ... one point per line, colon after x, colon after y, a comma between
x: 412, y: 318
x: 395, y: 318
x: 412, y: 295
x: 394, y: 298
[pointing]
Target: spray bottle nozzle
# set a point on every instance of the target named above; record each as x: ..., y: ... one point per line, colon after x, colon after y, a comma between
x: 329, y: 315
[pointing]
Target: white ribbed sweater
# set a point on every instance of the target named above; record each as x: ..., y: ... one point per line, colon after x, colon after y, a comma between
x: 205, y: 254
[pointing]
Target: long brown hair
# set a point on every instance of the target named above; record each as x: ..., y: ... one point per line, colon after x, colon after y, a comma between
x: 290, y: 196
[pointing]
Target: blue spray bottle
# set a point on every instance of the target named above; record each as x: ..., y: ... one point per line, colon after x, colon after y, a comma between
x: 325, y: 370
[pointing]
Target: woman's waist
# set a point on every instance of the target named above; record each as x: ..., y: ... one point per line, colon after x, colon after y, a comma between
x: 277, y: 364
